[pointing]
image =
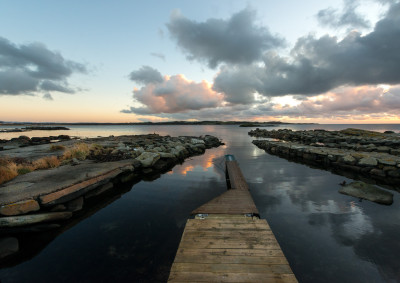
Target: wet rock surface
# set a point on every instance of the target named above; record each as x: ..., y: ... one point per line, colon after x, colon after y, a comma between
x: 371, y: 154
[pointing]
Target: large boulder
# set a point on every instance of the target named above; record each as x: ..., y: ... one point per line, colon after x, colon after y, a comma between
x: 147, y: 159
x: 366, y: 191
x: 368, y: 161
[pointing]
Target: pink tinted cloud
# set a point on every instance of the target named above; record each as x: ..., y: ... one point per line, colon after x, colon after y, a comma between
x: 175, y: 94
x: 360, y: 100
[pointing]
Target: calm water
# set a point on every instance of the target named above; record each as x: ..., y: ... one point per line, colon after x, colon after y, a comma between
x: 326, y: 236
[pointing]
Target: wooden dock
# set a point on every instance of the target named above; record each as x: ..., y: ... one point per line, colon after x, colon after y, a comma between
x: 227, y: 242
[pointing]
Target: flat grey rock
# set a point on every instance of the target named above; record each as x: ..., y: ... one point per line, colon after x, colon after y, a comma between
x: 366, y: 191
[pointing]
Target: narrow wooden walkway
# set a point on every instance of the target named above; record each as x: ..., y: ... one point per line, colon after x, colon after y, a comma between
x: 227, y: 242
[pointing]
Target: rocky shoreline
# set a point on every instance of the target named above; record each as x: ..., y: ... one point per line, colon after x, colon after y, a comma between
x: 43, y: 199
x: 369, y: 154
x: 23, y: 141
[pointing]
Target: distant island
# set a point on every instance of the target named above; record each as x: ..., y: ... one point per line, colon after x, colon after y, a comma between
x: 32, y: 128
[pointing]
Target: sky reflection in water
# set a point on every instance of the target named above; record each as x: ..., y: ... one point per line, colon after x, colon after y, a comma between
x: 326, y: 236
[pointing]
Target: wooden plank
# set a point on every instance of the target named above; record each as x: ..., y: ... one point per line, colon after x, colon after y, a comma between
x: 211, y: 258
x: 232, y: 268
x: 248, y: 220
x: 230, y: 202
x: 222, y: 244
x: 219, y: 234
x: 230, y: 252
x: 236, y: 177
x: 231, y: 277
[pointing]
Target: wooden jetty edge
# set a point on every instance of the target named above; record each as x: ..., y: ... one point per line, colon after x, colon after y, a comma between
x: 227, y: 242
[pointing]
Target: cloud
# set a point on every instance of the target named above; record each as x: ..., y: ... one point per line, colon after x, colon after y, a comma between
x: 237, y: 40
x: 48, y: 96
x: 317, y: 65
x: 172, y: 94
x: 347, y: 17
x: 359, y: 102
x: 146, y: 75
x: 238, y: 84
x: 158, y: 55
x: 31, y: 68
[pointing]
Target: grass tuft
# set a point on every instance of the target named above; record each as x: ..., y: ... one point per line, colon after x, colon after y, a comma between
x: 47, y: 162
x: 56, y: 147
x: 7, y: 171
x: 79, y: 151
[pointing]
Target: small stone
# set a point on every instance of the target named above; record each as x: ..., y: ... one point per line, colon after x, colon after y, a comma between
x: 75, y: 162
x: 383, y: 149
x: 20, y: 207
x: 8, y: 246
x: 387, y: 161
x: 348, y: 159
x: 377, y: 172
x: 196, y: 141
x: 166, y: 155
x: 368, y: 161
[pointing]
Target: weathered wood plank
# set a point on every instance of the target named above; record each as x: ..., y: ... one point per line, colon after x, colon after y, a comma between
x: 230, y: 252
x: 223, y: 244
x: 219, y: 234
x: 236, y: 177
x: 232, y: 201
x: 246, y: 220
x: 232, y: 268
x: 231, y: 277
x: 211, y: 258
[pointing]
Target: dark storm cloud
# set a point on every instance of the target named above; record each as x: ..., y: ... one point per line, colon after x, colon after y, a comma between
x: 146, y: 75
x: 237, y: 40
x: 30, y: 68
x: 317, y: 65
x: 347, y: 17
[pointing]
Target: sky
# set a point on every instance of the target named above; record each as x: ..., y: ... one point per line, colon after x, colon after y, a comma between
x: 334, y: 61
